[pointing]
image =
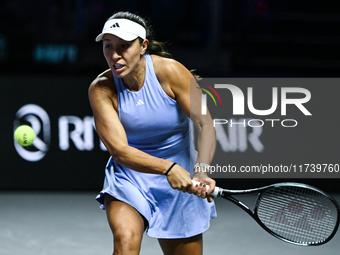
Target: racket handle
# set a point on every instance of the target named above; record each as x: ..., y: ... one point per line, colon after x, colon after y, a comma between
x: 215, y: 193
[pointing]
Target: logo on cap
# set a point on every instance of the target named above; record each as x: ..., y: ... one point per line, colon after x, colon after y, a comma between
x: 115, y: 25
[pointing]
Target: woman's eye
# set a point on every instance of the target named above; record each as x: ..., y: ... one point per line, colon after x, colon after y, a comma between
x: 108, y: 46
x: 125, y: 46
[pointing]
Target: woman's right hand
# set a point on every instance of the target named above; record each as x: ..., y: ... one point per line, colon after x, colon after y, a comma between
x: 179, y: 179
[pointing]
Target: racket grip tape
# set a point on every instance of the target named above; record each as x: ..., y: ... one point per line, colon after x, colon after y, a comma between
x: 213, y: 194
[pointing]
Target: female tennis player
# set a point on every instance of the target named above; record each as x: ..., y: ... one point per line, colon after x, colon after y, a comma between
x: 141, y: 107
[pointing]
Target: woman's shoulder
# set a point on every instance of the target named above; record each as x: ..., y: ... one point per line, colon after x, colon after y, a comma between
x: 162, y: 63
x: 103, y: 89
x: 168, y: 68
x: 103, y: 81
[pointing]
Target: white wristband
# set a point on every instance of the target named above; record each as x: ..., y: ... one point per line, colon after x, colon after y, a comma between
x: 204, y: 165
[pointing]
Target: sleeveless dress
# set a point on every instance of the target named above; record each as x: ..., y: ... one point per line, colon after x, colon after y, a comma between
x: 155, y: 124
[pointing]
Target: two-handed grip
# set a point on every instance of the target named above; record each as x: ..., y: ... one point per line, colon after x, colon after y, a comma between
x: 213, y: 194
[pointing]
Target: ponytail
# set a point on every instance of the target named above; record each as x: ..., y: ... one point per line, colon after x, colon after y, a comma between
x: 157, y: 48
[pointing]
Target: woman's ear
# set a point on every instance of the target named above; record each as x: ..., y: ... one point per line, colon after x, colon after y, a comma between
x: 144, y: 46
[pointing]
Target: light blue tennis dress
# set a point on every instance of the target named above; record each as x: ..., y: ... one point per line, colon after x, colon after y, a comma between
x: 155, y: 124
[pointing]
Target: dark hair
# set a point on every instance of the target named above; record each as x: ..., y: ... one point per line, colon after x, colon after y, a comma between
x: 154, y: 47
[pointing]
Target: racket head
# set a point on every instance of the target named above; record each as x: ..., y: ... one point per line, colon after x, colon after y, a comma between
x: 297, y: 213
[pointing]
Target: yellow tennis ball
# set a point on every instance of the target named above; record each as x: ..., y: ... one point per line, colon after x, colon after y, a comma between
x: 24, y: 135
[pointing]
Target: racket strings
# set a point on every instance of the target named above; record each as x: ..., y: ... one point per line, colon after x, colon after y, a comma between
x: 303, y: 228
x: 298, y: 214
x: 293, y: 214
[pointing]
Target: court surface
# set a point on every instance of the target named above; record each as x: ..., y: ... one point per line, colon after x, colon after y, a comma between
x: 72, y: 224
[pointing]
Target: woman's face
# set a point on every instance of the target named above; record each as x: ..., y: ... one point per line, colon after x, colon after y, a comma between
x: 122, y: 56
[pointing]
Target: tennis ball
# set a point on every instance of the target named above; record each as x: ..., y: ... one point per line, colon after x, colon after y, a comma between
x: 24, y: 135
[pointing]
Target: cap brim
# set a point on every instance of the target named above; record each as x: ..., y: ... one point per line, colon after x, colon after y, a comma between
x: 121, y: 34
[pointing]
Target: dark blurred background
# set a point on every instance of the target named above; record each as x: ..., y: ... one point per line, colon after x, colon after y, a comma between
x: 48, y: 57
x: 219, y: 37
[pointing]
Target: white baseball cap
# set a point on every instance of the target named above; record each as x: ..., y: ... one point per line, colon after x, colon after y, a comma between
x: 123, y: 28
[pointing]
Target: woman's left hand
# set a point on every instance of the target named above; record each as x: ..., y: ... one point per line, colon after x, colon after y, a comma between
x: 200, y: 190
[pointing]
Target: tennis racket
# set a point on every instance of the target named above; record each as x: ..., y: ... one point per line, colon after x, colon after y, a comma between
x: 293, y: 212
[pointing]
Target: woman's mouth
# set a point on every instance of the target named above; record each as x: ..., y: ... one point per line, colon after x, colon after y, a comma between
x: 118, y: 67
